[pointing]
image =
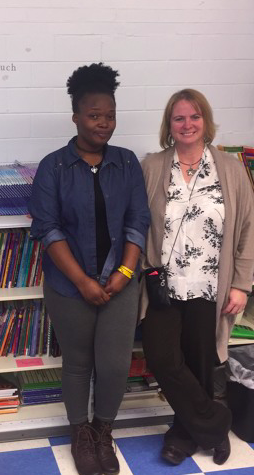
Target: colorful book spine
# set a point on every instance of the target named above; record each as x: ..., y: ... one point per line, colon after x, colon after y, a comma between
x: 23, y: 260
x: 8, y: 259
x: 27, y: 262
x: 36, y: 317
x: 4, y: 256
x: 13, y: 260
x: 6, y: 333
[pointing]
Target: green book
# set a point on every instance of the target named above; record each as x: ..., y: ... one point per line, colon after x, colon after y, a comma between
x: 40, y: 379
x: 242, y: 331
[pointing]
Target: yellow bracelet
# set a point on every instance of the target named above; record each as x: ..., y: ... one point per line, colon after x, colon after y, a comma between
x: 124, y: 272
x: 128, y: 270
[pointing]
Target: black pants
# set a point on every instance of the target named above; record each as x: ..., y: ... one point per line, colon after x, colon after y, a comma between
x: 180, y: 348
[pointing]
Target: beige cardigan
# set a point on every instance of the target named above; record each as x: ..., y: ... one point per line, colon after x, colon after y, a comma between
x: 236, y: 264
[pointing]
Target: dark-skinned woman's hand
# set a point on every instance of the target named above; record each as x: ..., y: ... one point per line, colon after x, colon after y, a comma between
x: 115, y: 283
x: 93, y: 292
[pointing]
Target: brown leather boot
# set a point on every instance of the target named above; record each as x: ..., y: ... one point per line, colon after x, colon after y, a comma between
x: 83, y: 449
x: 104, y: 449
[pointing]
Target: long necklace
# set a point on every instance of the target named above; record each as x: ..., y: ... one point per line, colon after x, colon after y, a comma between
x: 190, y: 171
x: 93, y: 168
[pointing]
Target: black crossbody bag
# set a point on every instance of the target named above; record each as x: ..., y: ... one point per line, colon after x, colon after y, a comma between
x: 157, y: 287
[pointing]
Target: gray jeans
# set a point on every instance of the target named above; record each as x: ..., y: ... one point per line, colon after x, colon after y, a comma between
x: 99, y: 338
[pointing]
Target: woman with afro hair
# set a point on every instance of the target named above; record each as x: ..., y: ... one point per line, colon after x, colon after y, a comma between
x: 89, y: 208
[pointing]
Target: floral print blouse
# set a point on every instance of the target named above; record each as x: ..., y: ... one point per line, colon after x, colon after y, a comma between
x: 194, y: 220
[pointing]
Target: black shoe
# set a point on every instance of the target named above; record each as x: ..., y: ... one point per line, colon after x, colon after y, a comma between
x: 222, y: 452
x: 173, y: 454
x: 104, y: 448
x: 83, y: 449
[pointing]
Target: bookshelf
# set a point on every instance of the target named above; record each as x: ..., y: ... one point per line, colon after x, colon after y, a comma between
x: 21, y: 293
x: 50, y: 419
x: 247, y: 319
x: 46, y: 420
x: 15, y: 222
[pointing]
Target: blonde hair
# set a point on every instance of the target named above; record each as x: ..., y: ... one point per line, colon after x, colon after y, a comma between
x: 200, y: 103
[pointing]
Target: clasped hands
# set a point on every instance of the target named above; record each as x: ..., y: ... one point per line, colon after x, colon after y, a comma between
x: 97, y: 294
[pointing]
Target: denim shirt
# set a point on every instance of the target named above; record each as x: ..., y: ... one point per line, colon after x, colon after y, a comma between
x: 62, y: 206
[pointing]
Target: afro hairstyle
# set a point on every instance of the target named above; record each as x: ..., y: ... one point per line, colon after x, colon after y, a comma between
x: 96, y: 78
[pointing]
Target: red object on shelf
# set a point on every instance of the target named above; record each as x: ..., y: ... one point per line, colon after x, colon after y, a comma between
x: 138, y: 366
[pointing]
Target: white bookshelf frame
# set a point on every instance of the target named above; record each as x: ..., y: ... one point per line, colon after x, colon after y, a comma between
x: 45, y: 420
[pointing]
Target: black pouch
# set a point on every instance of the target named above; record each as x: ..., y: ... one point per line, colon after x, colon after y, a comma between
x: 157, y: 288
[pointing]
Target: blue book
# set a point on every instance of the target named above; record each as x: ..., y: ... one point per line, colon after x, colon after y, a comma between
x: 37, y: 310
x: 23, y: 259
x: 39, y: 392
x: 27, y: 261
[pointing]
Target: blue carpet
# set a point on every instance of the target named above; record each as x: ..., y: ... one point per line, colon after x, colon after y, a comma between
x: 143, y: 457
x: 29, y: 462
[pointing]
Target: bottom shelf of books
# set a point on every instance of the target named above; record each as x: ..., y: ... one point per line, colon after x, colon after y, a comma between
x: 31, y: 402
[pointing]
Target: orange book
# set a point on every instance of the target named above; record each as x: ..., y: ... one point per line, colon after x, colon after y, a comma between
x: 10, y: 324
x: 9, y: 410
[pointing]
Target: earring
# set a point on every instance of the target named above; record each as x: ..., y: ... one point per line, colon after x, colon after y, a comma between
x: 171, y: 141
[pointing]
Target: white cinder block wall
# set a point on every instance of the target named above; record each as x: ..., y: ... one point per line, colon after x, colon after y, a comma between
x: 159, y: 46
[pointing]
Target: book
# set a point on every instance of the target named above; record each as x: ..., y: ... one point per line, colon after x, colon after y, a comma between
x: 16, y: 187
x: 28, y: 331
x: 6, y: 329
x: 7, y: 387
x: 6, y: 402
x: 38, y: 379
x: 13, y: 260
x: 13, y: 333
x: 151, y: 381
x: 21, y: 344
x: 8, y: 259
x: 36, y: 317
x: 232, y: 149
x: 18, y: 257
x: 245, y: 155
x: 8, y: 334
x: 18, y: 332
x: 4, y: 255
x: 136, y: 386
x: 22, y: 261
x: 9, y: 410
x: 33, y: 262
x: 42, y: 329
x: 27, y: 262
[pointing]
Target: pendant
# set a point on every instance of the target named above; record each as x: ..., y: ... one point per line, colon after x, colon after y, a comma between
x: 94, y: 169
x: 190, y: 171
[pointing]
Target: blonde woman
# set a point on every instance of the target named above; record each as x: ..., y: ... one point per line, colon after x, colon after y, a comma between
x: 202, y: 231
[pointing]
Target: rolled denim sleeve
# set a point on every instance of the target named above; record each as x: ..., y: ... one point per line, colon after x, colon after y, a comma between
x: 44, y: 205
x: 137, y: 216
x: 52, y: 236
x: 134, y: 236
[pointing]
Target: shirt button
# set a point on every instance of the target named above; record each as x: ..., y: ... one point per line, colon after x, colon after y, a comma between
x: 113, y: 239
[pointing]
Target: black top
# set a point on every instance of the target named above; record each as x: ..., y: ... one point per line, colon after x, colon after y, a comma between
x: 103, y: 242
